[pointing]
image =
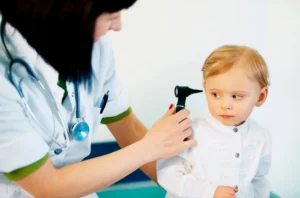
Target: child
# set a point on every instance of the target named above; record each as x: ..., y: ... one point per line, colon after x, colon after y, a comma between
x: 233, y: 153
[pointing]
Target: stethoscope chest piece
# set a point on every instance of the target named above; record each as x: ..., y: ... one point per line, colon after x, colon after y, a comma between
x: 80, y: 130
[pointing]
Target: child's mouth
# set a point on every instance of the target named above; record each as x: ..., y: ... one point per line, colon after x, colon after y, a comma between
x: 227, y: 116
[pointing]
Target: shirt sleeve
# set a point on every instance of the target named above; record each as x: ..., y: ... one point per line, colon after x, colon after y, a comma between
x: 174, y: 175
x: 260, y: 182
x: 27, y: 170
x: 20, y: 144
x: 118, y: 105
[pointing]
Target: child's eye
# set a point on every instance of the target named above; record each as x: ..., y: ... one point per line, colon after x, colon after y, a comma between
x: 216, y: 95
x: 237, y: 96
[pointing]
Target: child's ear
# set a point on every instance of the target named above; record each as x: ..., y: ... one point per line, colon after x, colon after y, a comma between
x: 204, y: 84
x: 262, y: 96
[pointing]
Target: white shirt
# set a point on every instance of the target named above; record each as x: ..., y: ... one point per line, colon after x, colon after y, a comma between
x: 224, y: 156
x: 22, y: 142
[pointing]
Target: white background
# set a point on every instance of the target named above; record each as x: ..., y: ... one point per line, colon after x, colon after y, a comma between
x: 164, y: 43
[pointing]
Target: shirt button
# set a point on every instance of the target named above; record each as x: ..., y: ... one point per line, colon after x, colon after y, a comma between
x: 235, y: 130
x: 237, y: 155
x: 58, y: 151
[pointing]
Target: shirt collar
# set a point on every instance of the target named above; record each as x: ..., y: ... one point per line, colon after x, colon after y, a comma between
x: 217, y: 125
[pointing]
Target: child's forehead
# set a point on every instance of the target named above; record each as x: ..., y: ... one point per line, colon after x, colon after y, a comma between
x: 237, y: 78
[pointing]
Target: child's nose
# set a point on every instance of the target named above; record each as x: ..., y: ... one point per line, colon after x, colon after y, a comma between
x: 226, y: 104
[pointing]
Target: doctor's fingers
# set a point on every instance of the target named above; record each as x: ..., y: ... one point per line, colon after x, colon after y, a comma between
x: 180, y: 116
x: 185, y: 124
x: 186, y: 144
x: 186, y: 134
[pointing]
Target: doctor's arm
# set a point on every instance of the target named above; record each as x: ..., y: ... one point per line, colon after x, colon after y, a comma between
x: 164, y: 139
x: 129, y: 130
x: 174, y: 175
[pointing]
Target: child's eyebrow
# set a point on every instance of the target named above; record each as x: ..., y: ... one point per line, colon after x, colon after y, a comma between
x: 234, y: 91
x: 240, y: 91
x: 213, y: 89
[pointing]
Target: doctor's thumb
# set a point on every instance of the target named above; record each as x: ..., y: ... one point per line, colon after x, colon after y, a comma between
x: 170, y: 111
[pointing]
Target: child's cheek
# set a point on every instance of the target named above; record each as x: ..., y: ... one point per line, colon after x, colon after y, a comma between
x: 245, y: 110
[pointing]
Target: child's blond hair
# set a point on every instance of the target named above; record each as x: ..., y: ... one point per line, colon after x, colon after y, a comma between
x: 225, y: 57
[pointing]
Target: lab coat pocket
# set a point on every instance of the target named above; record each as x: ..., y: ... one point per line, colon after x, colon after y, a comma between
x: 93, y: 117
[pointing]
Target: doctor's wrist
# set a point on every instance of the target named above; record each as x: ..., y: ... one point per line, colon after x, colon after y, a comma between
x: 149, y: 153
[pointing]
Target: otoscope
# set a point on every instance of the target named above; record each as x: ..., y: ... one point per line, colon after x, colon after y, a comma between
x: 182, y: 92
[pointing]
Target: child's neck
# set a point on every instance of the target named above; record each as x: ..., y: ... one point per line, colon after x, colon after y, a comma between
x: 240, y: 124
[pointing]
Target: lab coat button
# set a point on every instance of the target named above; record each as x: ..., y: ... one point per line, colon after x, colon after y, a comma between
x: 235, y: 130
x: 237, y: 155
x: 58, y: 151
x: 236, y: 187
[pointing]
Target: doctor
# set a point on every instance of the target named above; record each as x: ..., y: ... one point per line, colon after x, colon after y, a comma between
x: 58, y: 81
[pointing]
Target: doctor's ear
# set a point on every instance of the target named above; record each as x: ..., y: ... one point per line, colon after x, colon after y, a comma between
x: 262, y: 97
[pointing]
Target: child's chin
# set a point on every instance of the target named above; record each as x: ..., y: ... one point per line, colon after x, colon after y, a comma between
x: 231, y: 123
x: 228, y: 122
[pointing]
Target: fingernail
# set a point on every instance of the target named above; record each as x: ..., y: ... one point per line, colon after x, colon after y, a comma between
x: 171, y: 106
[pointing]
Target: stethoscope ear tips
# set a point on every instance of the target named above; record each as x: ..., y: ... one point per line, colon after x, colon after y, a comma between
x: 80, y: 131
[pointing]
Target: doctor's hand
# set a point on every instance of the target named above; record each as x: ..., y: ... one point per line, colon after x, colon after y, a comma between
x: 166, y: 137
x: 225, y: 192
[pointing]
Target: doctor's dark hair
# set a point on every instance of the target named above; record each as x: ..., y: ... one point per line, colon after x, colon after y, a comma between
x: 61, y: 31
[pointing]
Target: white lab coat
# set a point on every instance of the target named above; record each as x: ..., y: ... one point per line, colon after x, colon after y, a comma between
x: 22, y: 142
x: 224, y: 156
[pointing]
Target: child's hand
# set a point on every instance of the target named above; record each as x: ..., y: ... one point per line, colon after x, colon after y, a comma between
x: 225, y: 192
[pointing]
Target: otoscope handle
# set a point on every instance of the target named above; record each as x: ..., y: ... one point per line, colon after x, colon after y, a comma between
x: 179, y: 107
x: 180, y: 103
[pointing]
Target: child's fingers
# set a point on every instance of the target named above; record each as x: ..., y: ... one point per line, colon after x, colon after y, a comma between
x: 236, y: 190
x: 230, y: 190
x: 228, y: 195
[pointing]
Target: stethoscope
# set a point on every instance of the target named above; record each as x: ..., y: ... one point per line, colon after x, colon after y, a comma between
x: 79, y: 131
